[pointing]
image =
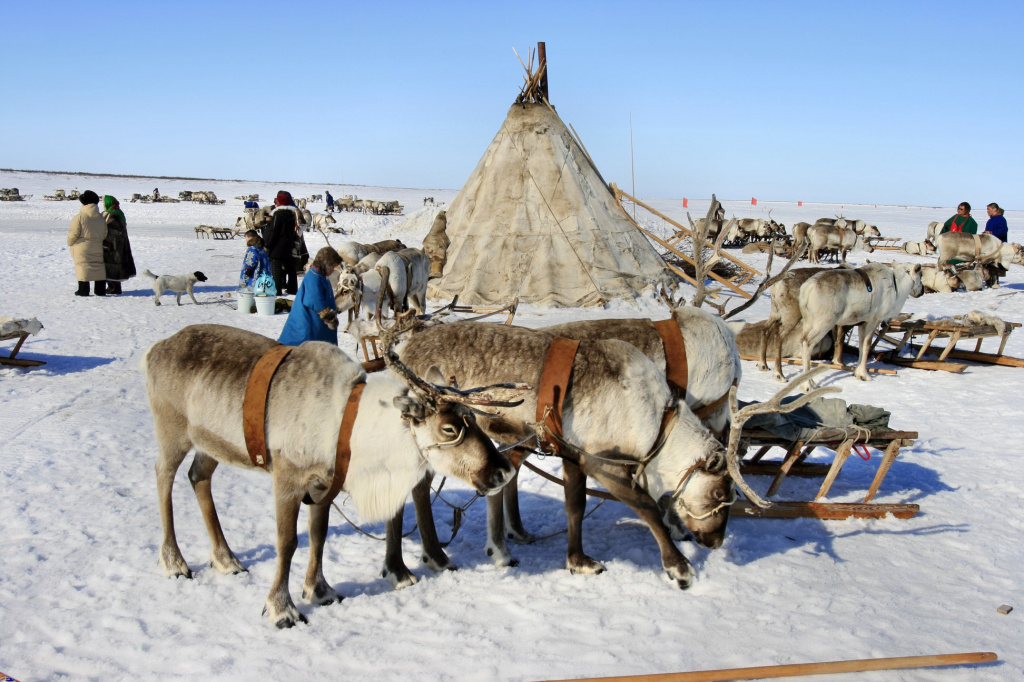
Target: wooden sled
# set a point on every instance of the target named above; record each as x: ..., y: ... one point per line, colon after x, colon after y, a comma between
x: 12, y: 359
x: 886, y: 243
x: 793, y: 463
x: 217, y: 232
x: 943, y: 330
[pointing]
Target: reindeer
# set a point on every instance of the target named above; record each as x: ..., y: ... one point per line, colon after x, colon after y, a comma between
x: 784, y: 317
x: 405, y: 428
x: 844, y: 239
x: 322, y: 220
x: 612, y: 422
x: 864, y: 296
x: 982, y: 248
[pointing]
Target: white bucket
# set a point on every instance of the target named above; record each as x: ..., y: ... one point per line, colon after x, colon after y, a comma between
x: 244, y: 301
x: 265, y: 305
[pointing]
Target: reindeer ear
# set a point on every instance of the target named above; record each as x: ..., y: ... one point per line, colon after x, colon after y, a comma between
x: 715, y: 462
x: 412, y: 408
x: 435, y: 376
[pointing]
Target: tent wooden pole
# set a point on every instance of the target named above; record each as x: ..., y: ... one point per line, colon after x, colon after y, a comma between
x: 802, y: 669
x: 685, y: 230
x: 542, y: 62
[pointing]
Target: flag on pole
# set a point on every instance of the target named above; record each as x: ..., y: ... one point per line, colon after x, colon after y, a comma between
x: 753, y: 202
x: 799, y: 203
x: 686, y: 203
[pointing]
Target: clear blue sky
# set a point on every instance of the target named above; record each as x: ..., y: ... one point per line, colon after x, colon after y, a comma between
x: 878, y: 102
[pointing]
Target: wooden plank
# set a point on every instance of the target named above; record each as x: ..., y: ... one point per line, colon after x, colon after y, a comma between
x: 887, y: 459
x: 987, y: 358
x: 837, y: 464
x: 791, y: 456
x: 824, y: 510
x: 954, y: 367
x: 820, y: 363
x: 825, y: 436
x: 20, y: 362
x: 804, y: 669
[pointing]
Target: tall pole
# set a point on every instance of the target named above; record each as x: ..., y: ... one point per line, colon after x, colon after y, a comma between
x: 542, y: 64
x: 632, y: 170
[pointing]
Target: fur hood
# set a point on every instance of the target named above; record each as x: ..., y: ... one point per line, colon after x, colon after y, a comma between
x: 286, y: 208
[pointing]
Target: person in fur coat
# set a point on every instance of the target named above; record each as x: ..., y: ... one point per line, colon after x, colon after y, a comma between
x: 85, y: 237
x: 279, y: 239
x: 117, y: 250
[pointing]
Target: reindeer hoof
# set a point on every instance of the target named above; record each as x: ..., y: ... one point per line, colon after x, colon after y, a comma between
x: 438, y: 566
x: 321, y: 595
x: 287, y: 617
x: 521, y: 537
x: 683, y: 575
x: 399, y: 579
x: 500, y: 555
x: 585, y: 565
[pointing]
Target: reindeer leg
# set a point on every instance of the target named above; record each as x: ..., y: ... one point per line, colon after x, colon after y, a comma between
x: 672, y: 560
x: 575, y: 506
x: 316, y: 589
x: 865, y: 337
x: 199, y: 474
x: 513, y: 519
x: 837, y: 351
x: 496, y: 547
x: 434, y: 555
x: 279, y: 606
x: 395, y: 570
x: 762, y: 364
x: 174, y: 446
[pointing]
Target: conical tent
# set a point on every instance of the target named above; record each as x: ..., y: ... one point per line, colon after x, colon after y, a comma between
x: 536, y: 221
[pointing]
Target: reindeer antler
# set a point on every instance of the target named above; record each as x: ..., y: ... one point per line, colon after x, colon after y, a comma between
x: 738, y: 417
x: 435, y: 393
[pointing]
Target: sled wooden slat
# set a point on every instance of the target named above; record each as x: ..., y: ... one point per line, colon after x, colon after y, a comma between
x: 13, y: 361
x: 888, y: 441
x: 835, y: 511
x: 943, y: 330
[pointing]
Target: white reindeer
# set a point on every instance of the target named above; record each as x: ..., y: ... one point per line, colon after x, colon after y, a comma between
x: 403, y: 430
x: 864, y: 296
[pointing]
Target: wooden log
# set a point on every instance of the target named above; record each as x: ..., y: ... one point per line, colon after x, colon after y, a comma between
x: 20, y: 362
x: 835, y: 511
x: 804, y: 669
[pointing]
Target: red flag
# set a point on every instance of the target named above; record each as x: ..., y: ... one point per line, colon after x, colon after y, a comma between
x: 753, y: 202
x: 686, y: 203
x: 799, y: 203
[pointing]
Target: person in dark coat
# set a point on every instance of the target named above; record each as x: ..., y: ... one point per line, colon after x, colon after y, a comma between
x: 279, y: 238
x: 314, y: 314
x: 996, y: 225
x: 117, y: 250
x: 330, y: 201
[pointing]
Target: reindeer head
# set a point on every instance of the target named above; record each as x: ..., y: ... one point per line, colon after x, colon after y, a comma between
x: 443, y: 420
x: 703, y: 489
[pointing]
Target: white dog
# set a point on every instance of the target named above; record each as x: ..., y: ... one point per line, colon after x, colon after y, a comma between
x: 179, y: 284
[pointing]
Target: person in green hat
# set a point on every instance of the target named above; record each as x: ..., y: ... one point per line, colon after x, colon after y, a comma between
x: 117, y: 251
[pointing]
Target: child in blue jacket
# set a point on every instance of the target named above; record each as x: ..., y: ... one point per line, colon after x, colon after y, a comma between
x: 314, y: 314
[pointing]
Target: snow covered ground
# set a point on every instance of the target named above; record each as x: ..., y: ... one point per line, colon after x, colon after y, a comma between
x: 81, y: 596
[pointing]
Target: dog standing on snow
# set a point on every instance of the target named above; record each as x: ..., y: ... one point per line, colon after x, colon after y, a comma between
x: 179, y: 284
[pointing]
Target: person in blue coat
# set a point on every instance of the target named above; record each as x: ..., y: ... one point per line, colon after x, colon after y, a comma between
x: 314, y: 314
x: 330, y: 201
x: 256, y: 261
x: 996, y: 225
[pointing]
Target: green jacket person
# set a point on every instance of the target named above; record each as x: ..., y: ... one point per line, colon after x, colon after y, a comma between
x: 961, y: 222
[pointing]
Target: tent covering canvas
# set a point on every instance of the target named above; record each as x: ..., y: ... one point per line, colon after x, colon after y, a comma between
x: 536, y: 221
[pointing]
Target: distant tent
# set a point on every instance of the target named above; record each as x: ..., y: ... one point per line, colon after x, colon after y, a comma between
x: 536, y: 221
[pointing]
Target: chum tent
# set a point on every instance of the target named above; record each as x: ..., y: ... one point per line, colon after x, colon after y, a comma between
x: 536, y: 221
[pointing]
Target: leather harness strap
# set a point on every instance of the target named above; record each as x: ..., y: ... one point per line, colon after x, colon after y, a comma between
x: 554, y: 384
x: 867, y: 280
x: 676, y: 369
x: 344, y: 453
x: 254, y: 406
x: 977, y: 247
